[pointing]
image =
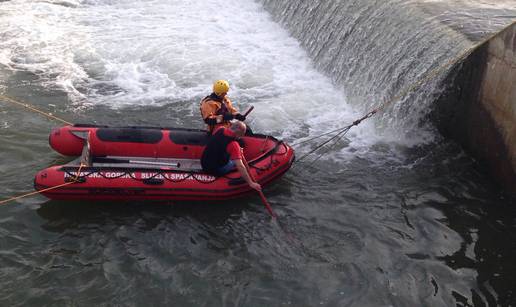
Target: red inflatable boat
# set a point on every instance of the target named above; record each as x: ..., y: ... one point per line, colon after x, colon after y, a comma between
x: 145, y: 163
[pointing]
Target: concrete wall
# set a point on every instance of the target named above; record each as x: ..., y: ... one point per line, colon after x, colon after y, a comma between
x: 479, y: 109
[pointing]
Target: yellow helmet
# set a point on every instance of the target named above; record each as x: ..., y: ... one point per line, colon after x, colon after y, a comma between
x: 220, y: 87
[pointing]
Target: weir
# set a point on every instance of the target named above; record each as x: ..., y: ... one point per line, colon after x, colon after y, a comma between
x: 479, y: 109
x: 374, y: 49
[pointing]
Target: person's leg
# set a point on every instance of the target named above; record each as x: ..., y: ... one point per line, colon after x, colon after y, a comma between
x: 226, y: 168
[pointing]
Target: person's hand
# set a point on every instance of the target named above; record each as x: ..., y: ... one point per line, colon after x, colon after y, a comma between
x: 240, y: 117
x: 255, y: 186
x: 228, y: 117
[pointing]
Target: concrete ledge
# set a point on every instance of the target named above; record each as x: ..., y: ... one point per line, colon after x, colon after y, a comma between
x: 479, y: 109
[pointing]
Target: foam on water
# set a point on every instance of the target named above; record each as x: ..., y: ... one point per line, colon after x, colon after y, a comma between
x: 42, y: 38
x: 160, y: 52
x: 130, y: 54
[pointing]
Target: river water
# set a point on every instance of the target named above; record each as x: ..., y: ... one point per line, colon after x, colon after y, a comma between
x: 393, y: 215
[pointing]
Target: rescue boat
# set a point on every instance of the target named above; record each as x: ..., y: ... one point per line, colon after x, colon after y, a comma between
x: 151, y: 163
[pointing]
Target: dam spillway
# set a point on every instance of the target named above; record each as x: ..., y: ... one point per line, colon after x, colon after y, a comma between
x: 375, y: 49
x: 478, y: 109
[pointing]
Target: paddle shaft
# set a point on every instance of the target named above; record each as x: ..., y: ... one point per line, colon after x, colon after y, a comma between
x: 267, y: 205
x: 154, y: 163
x: 262, y: 196
x: 249, y: 111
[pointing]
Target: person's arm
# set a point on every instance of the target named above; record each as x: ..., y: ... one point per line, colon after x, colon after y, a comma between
x: 234, y: 111
x: 230, y: 106
x: 245, y: 174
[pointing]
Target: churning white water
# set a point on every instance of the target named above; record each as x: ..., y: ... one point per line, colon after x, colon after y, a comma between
x: 141, y: 53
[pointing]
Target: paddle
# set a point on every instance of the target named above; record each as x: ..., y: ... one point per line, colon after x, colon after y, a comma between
x: 248, y: 111
x: 262, y: 196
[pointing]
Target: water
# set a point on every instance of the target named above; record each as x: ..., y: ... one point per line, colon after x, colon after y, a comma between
x: 393, y: 215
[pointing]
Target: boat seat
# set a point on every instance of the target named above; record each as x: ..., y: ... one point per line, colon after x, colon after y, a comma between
x: 188, y: 165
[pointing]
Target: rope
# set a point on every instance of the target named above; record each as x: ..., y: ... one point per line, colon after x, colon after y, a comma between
x: 44, y: 190
x: 336, y: 137
x: 432, y: 75
x: 262, y: 149
x: 356, y: 122
x: 336, y: 141
x: 31, y: 108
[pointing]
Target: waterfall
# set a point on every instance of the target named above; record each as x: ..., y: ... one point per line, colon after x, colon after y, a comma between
x: 375, y: 49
